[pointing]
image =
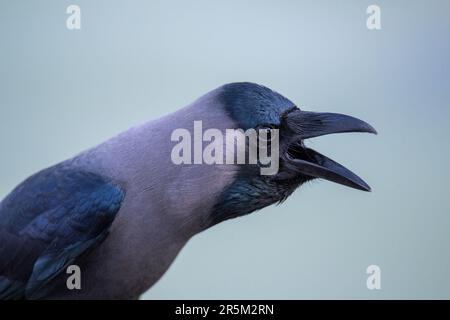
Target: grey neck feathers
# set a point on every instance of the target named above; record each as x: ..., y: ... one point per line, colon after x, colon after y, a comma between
x: 140, y: 160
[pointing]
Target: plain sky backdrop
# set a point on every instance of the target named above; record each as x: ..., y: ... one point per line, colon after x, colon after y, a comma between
x: 64, y: 91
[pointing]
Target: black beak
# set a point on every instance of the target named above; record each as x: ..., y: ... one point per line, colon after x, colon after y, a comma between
x: 304, y: 125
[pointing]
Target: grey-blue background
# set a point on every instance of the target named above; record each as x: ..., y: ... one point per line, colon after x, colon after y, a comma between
x: 64, y: 91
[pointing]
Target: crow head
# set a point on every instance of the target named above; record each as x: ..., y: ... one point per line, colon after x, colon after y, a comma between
x: 254, y: 106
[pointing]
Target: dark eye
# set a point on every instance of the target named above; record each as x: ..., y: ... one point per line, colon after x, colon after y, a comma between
x: 265, y: 132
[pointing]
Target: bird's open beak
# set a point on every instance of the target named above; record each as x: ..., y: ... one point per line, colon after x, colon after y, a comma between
x: 303, y: 160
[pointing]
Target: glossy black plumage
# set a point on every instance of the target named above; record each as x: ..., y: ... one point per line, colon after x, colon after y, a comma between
x: 48, y: 221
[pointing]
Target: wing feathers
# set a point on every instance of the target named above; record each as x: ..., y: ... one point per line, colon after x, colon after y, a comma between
x: 47, y: 222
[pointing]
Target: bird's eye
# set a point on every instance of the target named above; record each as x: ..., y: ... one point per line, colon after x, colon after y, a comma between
x: 265, y: 132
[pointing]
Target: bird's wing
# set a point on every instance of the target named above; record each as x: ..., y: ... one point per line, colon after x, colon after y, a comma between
x: 47, y: 222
